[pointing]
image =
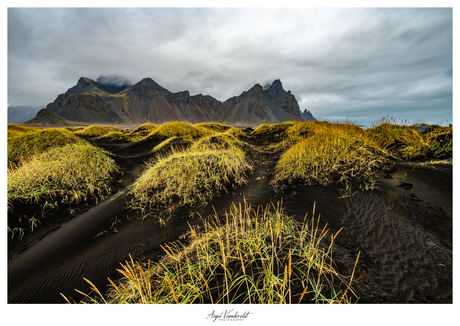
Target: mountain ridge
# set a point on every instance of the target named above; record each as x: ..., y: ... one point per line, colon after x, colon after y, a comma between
x: 101, y: 101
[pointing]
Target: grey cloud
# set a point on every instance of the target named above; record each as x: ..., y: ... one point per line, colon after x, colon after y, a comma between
x: 337, y: 62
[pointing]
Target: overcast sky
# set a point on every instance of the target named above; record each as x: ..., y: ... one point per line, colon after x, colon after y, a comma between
x: 360, y: 64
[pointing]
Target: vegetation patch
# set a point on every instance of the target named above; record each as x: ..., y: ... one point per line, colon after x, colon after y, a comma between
x: 179, y: 129
x: 236, y: 132
x: 251, y: 256
x: 214, y: 126
x: 22, y: 146
x: 223, y: 141
x: 189, y: 177
x: 113, y: 129
x: 145, y: 127
x: 14, y: 130
x: 336, y: 149
x: 116, y: 136
x: 92, y: 131
x: 404, y: 142
x: 73, y: 129
x: 164, y: 143
x: 71, y: 173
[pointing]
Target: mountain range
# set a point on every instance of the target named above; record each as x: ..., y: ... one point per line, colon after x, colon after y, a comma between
x: 102, y: 101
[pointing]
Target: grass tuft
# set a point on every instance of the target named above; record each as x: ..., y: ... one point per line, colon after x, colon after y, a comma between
x: 341, y: 150
x: 23, y: 146
x: 189, y: 177
x: 19, y: 129
x: 180, y: 129
x: 250, y: 256
x: 116, y: 136
x: 72, y: 173
x: 213, y: 126
x: 92, y: 131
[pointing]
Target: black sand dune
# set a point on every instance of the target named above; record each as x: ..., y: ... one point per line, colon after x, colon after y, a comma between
x: 402, y: 229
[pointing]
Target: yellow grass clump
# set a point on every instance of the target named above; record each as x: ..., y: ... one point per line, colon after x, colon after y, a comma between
x: 115, y: 136
x: 189, y: 177
x: 146, y: 126
x: 404, y: 142
x: 251, y: 256
x: 113, y: 129
x: 332, y: 150
x: 214, y: 126
x: 73, y: 129
x: 19, y: 129
x: 23, y: 146
x: 92, y: 131
x: 220, y: 140
x: 71, y: 173
x: 180, y: 129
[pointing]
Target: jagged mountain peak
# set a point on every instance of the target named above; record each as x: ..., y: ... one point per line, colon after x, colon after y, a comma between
x: 307, y: 115
x: 276, y: 84
x: 111, y: 85
x: 276, y: 90
x: 255, y: 90
x: 83, y: 85
x: 148, y: 84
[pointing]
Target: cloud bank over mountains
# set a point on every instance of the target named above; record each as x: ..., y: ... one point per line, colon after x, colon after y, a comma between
x: 360, y: 64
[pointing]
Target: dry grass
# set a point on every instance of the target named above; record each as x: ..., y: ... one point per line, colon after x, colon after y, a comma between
x: 92, y: 131
x: 214, y: 126
x: 329, y: 150
x: 223, y: 141
x: 251, y: 256
x: 113, y: 129
x: 19, y: 129
x: 164, y: 143
x: 117, y: 136
x: 141, y: 132
x: 180, y: 129
x: 189, y: 177
x: 145, y: 127
x: 22, y: 146
x: 404, y: 142
x: 71, y: 173
x: 74, y: 129
x: 325, y: 152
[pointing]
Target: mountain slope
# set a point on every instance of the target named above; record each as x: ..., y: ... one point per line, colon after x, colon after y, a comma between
x: 257, y: 106
x: 306, y: 115
x: 146, y: 101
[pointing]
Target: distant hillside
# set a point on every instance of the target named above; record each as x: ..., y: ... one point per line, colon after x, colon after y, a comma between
x: 46, y: 118
x: 306, y: 115
x: 111, y: 100
x: 21, y: 114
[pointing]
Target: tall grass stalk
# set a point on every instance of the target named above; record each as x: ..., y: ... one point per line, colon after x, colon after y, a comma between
x: 248, y: 256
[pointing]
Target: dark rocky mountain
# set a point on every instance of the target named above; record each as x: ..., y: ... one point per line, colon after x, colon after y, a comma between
x: 111, y: 100
x: 257, y: 106
x: 306, y: 115
x: 46, y: 118
x: 283, y: 99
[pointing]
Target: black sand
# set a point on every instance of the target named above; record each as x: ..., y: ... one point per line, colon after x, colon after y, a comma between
x: 402, y: 229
